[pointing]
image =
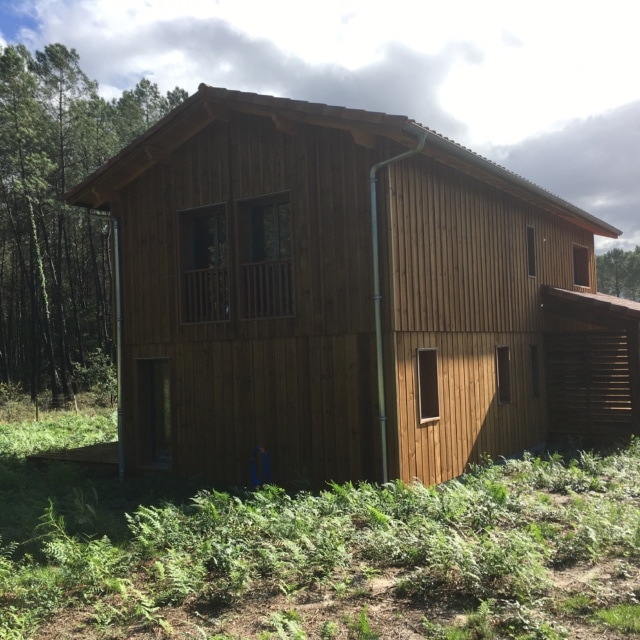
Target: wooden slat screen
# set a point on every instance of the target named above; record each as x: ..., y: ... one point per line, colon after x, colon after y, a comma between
x: 588, y: 387
x: 267, y: 289
x: 206, y: 295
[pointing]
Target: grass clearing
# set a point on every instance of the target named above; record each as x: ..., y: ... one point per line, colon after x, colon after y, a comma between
x: 622, y: 617
x: 532, y: 548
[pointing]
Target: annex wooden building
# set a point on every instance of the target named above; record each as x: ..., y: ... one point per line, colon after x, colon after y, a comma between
x: 248, y: 288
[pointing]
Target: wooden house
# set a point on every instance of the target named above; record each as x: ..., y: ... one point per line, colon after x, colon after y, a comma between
x: 356, y: 294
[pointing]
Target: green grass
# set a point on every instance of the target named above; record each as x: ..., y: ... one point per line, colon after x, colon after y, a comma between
x: 486, y: 544
x: 622, y: 617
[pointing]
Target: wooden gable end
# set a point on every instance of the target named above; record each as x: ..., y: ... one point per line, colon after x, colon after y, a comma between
x: 300, y: 385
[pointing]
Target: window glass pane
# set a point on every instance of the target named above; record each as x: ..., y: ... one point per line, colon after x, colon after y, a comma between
x: 154, y: 411
x: 271, y: 232
x: 531, y: 251
x: 429, y: 405
x: 209, y: 241
x: 581, y: 266
x: 503, y: 373
x: 263, y: 234
x: 204, y: 290
x: 284, y: 230
x: 265, y: 250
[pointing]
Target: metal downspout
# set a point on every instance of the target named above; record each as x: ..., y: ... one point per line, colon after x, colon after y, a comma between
x: 118, y: 295
x: 118, y: 292
x: 377, y: 296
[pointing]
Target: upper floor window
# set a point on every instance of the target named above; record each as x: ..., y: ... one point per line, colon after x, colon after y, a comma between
x: 531, y: 251
x: 580, y: 265
x: 204, y: 261
x: 266, y: 267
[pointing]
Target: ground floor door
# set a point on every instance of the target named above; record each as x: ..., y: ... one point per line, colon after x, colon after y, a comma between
x: 154, y: 412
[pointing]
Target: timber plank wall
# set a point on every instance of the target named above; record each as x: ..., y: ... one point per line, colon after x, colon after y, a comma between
x: 453, y: 254
x: 301, y: 386
x: 458, y: 255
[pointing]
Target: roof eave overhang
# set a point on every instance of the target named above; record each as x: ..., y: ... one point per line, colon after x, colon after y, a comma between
x: 604, y: 311
x: 467, y: 161
x: 209, y: 104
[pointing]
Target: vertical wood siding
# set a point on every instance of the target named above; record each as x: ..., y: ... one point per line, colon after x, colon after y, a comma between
x: 301, y: 386
x: 472, y: 423
x: 307, y: 400
x: 460, y: 284
x: 460, y: 253
x: 454, y: 270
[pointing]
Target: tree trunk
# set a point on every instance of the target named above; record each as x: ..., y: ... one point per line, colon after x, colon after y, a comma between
x: 45, y: 320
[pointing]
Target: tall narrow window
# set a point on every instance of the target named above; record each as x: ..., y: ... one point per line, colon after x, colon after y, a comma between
x: 428, y: 401
x: 154, y: 411
x: 580, y: 265
x: 535, y: 371
x: 266, y: 265
x: 531, y: 251
x: 204, y: 259
x: 503, y: 373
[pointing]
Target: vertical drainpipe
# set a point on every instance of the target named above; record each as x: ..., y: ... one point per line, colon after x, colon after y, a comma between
x: 118, y: 292
x: 118, y: 295
x: 421, y: 133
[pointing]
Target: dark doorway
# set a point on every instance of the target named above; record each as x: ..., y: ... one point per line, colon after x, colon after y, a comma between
x: 154, y: 412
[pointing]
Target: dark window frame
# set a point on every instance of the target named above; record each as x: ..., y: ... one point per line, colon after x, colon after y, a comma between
x: 265, y: 251
x: 428, y: 385
x: 503, y: 374
x: 531, y: 251
x: 205, y: 294
x: 535, y: 370
x: 581, y: 266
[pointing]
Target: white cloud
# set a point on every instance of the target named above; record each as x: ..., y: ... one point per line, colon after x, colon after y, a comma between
x: 532, y: 66
x: 520, y: 75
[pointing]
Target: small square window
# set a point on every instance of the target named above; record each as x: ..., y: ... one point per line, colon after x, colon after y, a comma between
x: 428, y: 400
x: 503, y: 373
x: 580, y: 265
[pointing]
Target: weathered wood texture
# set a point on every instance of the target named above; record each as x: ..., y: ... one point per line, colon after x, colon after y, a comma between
x: 228, y: 163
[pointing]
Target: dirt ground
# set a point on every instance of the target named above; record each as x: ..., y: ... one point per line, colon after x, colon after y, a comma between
x: 388, y: 615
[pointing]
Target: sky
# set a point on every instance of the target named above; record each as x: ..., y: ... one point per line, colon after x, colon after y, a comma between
x: 548, y: 89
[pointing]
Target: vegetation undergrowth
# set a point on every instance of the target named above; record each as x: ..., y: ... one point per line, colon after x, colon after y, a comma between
x: 487, y: 547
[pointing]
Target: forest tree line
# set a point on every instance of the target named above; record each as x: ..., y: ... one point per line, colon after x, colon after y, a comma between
x: 56, y: 271
x: 619, y: 273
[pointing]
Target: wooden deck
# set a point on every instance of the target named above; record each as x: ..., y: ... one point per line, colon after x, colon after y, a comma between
x: 105, y: 453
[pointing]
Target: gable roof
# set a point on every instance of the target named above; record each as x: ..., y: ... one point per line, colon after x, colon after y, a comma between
x: 211, y: 103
